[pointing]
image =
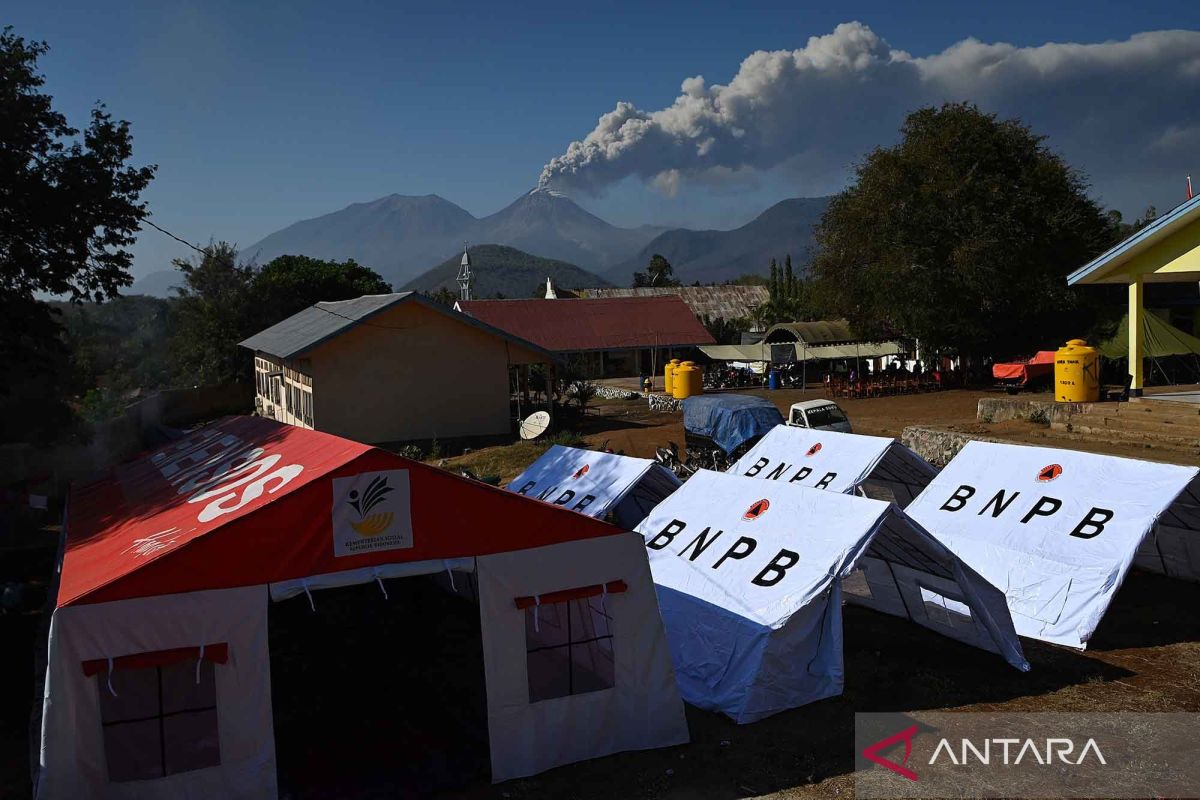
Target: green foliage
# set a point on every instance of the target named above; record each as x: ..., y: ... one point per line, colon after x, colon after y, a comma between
x: 69, y: 209
x: 223, y: 302
x: 792, y: 298
x: 658, y: 273
x: 443, y: 296
x: 215, y: 310
x: 290, y: 284
x: 724, y: 331
x: 961, y: 235
x: 118, y: 345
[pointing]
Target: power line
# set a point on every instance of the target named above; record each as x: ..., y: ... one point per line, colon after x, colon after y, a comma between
x: 199, y: 250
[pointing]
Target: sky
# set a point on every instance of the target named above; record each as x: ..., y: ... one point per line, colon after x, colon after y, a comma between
x: 260, y: 114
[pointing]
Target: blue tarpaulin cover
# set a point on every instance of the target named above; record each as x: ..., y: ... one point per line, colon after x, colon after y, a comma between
x: 729, y: 419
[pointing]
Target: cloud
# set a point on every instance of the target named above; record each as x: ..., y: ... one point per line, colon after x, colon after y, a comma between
x: 1116, y: 109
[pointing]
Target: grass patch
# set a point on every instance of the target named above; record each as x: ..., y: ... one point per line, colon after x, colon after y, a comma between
x: 509, y: 461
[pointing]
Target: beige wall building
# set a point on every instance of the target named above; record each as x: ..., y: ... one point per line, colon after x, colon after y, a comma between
x: 390, y: 368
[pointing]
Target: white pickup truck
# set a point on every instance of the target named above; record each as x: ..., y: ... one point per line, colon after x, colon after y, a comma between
x: 824, y: 415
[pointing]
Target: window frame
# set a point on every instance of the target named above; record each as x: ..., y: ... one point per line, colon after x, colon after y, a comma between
x: 143, y: 665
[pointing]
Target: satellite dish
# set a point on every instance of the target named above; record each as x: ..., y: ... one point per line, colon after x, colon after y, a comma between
x: 535, y: 425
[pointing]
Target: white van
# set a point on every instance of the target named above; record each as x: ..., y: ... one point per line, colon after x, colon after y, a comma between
x: 824, y: 415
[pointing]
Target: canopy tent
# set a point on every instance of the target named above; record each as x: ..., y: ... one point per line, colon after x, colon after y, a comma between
x: 874, y: 466
x: 788, y: 352
x: 750, y: 574
x: 729, y: 420
x: 1057, y: 530
x: 168, y: 564
x: 1160, y: 339
x: 1021, y: 372
x: 597, y: 484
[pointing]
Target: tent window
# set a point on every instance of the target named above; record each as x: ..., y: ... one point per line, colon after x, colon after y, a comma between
x: 568, y: 648
x: 160, y: 720
x: 944, y: 610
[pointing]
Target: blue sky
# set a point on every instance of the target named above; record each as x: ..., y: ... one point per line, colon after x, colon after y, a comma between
x: 259, y: 114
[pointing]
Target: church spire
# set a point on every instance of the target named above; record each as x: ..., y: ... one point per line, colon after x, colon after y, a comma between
x: 464, y: 275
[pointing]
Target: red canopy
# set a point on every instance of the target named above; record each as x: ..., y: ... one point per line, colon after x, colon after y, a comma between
x: 1040, y: 364
x: 249, y: 501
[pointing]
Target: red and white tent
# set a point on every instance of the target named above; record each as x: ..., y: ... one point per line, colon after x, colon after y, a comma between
x: 158, y: 675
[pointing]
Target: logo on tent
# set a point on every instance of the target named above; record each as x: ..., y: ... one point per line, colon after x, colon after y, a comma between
x: 812, y: 451
x: 757, y: 509
x: 906, y: 735
x: 370, y: 524
x: 1049, y: 473
x: 581, y: 472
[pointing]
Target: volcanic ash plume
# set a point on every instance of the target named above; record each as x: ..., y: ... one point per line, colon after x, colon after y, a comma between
x: 828, y: 103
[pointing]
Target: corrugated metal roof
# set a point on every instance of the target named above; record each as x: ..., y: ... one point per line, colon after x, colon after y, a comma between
x: 303, y: 331
x: 833, y: 331
x: 727, y: 301
x: 565, y: 326
x: 321, y: 322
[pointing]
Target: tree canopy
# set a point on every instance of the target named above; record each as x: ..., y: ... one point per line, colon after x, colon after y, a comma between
x: 69, y: 209
x: 224, y: 301
x: 961, y: 235
x: 659, y: 272
x: 289, y: 284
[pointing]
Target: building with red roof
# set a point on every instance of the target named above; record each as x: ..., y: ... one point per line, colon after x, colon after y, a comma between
x: 602, y: 337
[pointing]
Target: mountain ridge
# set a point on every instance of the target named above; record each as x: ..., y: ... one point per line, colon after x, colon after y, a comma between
x: 504, y: 270
x: 400, y: 236
x: 717, y: 256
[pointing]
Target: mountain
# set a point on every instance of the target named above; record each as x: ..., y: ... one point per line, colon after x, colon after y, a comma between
x: 395, y: 235
x: 156, y: 284
x: 399, y: 236
x: 505, y: 270
x: 550, y: 223
x: 713, y: 256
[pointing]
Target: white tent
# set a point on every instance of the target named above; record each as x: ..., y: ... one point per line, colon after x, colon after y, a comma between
x: 874, y: 466
x: 1055, y: 530
x: 749, y: 577
x: 158, y: 678
x: 596, y: 483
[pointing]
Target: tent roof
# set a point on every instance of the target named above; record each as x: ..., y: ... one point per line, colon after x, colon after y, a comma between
x: 1160, y: 338
x: 247, y: 501
x: 832, y: 331
x: 323, y: 321
x: 831, y: 530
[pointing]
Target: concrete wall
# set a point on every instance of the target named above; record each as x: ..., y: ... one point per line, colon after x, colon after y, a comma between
x: 938, y: 446
x: 1042, y: 412
x: 413, y: 373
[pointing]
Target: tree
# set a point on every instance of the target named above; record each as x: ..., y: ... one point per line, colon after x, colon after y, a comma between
x: 223, y: 302
x: 289, y: 284
x: 214, y: 310
x: 961, y: 235
x: 658, y: 273
x: 69, y: 209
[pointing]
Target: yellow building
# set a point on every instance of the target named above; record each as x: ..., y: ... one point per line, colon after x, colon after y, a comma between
x: 391, y: 368
x: 1165, y: 251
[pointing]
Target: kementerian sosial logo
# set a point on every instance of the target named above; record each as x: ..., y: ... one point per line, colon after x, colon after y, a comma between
x: 371, y: 512
x: 1077, y: 755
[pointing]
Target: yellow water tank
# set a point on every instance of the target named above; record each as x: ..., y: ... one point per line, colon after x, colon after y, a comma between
x: 685, y: 381
x: 1077, y: 373
x: 668, y: 372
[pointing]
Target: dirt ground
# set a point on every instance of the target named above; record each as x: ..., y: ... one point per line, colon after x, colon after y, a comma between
x: 426, y: 735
